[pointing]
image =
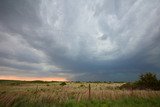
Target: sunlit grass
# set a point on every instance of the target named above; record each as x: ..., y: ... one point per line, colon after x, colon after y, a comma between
x: 75, y: 95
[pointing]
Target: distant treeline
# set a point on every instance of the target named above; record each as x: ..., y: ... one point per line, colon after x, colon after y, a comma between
x: 98, y: 81
x: 40, y: 81
x: 18, y: 82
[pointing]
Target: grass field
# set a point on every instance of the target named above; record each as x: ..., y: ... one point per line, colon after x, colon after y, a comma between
x: 52, y: 94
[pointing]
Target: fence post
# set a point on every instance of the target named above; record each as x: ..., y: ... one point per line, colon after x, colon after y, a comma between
x: 89, y: 96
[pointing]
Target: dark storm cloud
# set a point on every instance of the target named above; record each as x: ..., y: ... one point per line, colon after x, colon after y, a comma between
x: 80, y: 40
x: 15, y: 14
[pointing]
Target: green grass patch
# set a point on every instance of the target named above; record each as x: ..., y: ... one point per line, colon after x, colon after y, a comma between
x: 125, y: 102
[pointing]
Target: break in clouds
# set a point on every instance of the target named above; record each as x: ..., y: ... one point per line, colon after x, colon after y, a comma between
x: 113, y: 40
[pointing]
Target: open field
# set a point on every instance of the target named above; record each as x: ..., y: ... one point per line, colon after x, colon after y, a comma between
x: 52, y: 94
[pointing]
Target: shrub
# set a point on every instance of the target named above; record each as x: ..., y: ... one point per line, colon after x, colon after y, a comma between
x: 148, y: 81
x: 63, y: 84
x: 82, y: 85
x: 126, y: 86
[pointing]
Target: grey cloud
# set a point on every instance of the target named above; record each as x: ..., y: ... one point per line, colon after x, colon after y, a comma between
x: 106, y: 40
x: 14, y: 47
x: 18, y: 13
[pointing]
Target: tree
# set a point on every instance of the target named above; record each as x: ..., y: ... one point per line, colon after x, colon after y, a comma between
x: 148, y: 81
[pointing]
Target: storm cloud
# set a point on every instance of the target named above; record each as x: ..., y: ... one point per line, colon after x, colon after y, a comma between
x: 80, y: 39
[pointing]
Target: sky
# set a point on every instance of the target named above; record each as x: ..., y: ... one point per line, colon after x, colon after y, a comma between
x: 79, y: 40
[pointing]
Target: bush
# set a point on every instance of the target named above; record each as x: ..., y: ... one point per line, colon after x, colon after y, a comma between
x: 126, y: 86
x: 63, y: 84
x: 148, y: 81
x: 82, y: 85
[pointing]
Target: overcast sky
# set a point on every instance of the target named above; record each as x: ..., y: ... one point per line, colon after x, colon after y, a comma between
x: 93, y: 40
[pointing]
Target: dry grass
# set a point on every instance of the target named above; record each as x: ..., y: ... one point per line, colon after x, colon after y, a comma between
x: 54, y: 93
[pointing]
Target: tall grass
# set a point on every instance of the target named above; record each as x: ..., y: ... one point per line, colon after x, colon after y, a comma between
x: 75, y: 95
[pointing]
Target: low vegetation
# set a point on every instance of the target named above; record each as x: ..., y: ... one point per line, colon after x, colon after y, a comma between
x: 63, y: 84
x: 146, y: 81
x: 76, y: 94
